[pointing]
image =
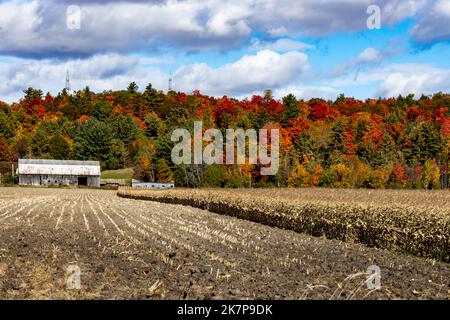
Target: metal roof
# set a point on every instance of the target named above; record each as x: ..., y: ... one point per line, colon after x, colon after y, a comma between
x: 59, y: 167
x: 59, y: 162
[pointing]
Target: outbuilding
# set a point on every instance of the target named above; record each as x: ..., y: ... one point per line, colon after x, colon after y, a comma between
x: 136, y: 184
x: 59, y: 172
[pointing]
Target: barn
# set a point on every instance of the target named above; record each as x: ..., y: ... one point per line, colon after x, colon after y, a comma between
x: 59, y: 172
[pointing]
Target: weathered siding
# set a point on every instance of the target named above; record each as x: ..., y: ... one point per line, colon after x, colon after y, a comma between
x: 94, y: 182
x: 152, y: 185
x: 113, y: 182
x: 38, y: 180
x: 59, y: 172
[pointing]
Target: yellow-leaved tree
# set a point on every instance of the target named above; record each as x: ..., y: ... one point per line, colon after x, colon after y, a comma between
x: 300, y: 178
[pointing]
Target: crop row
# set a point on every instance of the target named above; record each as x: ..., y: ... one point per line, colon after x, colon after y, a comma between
x: 418, y: 230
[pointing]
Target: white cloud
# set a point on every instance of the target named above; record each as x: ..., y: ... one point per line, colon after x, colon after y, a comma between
x: 97, y: 53
x: 38, y: 27
x: 443, y: 7
x: 17, y: 21
x: 281, y: 45
x: 266, y: 69
x: 433, y: 25
x: 229, y: 19
x: 395, y: 79
x: 368, y: 57
x: 395, y: 11
x: 312, y: 17
x: 100, y: 72
x: 414, y: 78
x: 283, y: 73
x: 308, y: 92
x: 251, y: 73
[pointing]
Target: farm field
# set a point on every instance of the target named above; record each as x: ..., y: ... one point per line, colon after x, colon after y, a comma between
x: 413, y: 222
x: 126, y: 174
x: 137, y: 249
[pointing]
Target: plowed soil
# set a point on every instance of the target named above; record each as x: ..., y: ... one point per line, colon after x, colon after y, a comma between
x: 131, y: 249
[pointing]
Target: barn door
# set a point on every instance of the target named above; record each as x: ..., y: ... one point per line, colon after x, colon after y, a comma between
x: 82, y: 181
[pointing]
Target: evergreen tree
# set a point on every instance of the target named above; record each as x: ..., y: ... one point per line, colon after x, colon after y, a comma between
x: 335, y: 149
x: 59, y: 148
x: 368, y: 153
x: 116, y: 157
x: 32, y: 94
x: 153, y: 125
x: 152, y: 98
x: 40, y: 143
x: 427, y: 143
x: 164, y: 172
x: 6, y: 127
x: 102, y: 110
x: 291, y: 106
x: 132, y: 88
x: 124, y: 129
x: 93, y: 141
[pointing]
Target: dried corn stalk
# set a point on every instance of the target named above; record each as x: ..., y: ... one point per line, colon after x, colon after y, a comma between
x: 414, y: 222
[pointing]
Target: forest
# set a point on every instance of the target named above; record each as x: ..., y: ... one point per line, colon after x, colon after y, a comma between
x: 400, y: 143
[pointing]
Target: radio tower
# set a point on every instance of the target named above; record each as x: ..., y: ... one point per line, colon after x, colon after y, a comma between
x: 170, y: 82
x: 68, y: 82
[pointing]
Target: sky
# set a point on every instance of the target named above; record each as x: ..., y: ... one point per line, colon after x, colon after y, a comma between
x: 311, y: 48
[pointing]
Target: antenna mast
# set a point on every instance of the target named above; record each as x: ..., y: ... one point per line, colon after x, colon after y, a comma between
x: 68, y: 82
x: 170, y: 82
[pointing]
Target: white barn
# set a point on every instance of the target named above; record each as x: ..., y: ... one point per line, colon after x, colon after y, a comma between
x: 59, y: 172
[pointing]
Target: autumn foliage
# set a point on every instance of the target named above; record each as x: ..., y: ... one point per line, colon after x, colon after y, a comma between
x: 399, y: 142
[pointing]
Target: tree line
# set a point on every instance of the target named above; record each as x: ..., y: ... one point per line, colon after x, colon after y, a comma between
x: 399, y: 142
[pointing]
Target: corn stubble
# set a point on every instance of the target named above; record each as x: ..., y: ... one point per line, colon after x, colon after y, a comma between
x: 131, y: 249
x: 412, y: 222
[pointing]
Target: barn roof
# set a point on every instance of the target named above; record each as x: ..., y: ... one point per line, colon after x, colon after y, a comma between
x: 59, y: 167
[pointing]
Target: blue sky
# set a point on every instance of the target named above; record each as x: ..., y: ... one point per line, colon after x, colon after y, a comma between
x: 237, y: 47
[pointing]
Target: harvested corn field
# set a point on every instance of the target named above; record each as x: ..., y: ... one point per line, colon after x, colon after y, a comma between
x: 413, y: 222
x: 133, y: 249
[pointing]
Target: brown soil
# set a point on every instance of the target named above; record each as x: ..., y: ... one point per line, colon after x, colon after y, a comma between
x: 130, y: 249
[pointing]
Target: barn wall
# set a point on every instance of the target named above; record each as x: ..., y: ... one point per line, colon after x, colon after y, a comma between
x: 94, y: 182
x: 37, y: 180
x: 154, y: 185
x: 29, y: 180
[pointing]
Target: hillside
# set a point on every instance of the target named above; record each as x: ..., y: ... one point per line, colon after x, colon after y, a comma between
x: 346, y: 143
